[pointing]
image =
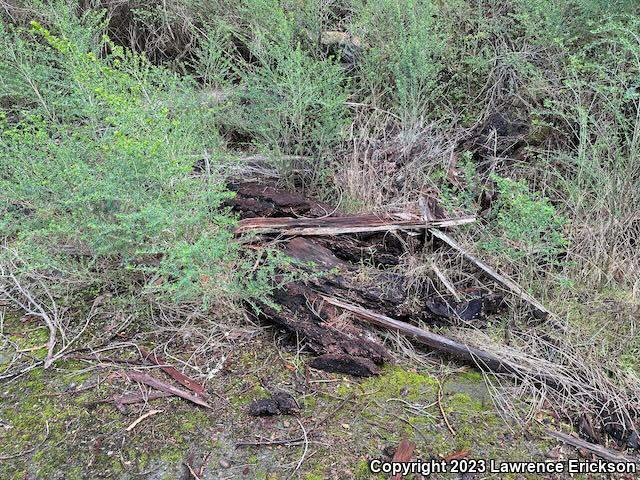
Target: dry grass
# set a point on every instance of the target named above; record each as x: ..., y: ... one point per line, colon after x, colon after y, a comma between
x: 387, y: 167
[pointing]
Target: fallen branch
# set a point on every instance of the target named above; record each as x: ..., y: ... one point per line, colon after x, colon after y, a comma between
x: 501, y: 279
x: 137, y: 397
x: 446, y: 282
x: 442, y: 412
x: 471, y: 355
x: 257, y: 443
x: 165, y: 387
x: 599, y: 450
x: 346, y: 224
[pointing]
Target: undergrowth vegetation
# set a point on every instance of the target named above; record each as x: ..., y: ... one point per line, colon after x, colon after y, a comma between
x: 119, y: 120
x: 98, y: 187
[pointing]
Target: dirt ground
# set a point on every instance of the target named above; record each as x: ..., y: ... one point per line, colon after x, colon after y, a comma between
x: 52, y: 428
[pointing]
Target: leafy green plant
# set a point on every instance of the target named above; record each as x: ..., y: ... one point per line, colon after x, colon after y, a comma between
x: 403, y: 58
x: 294, y: 104
x: 97, y: 180
x: 524, y: 225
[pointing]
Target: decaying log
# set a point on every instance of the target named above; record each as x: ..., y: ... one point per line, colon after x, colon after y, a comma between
x: 301, y: 311
x: 254, y: 199
x: 316, y: 235
x: 387, y: 222
x: 322, y: 258
x: 338, y: 363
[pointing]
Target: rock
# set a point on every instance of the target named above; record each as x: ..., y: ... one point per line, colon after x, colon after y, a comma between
x: 280, y: 404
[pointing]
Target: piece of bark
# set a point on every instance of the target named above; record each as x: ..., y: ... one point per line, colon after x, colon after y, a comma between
x: 403, y: 454
x: 295, y: 315
x: 307, y: 251
x: 379, y: 249
x: 599, y: 450
x: 165, y: 387
x: 255, y: 199
x: 455, y: 311
x: 501, y: 279
x: 346, y: 224
x: 178, y: 376
x: 339, y: 363
x: 384, y: 292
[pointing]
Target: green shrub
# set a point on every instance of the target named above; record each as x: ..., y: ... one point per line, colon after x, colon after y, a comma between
x: 97, y: 181
x: 403, y: 59
x: 524, y: 226
x: 294, y: 104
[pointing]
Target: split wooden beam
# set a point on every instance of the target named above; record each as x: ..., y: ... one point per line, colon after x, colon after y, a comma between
x: 345, y: 224
x: 599, y: 450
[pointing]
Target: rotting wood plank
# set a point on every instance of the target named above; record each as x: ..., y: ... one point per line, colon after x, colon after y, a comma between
x: 471, y: 355
x: 342, y: 225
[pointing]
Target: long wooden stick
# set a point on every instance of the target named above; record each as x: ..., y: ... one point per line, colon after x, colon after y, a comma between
x: 471, y: 355
x: 342, y: 225
x: 165, y: 387
x: 599, y: 450
x: 178, y: 376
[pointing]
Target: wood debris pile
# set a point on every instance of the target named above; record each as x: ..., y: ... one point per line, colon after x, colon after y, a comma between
x: 333, y: 306
x: 333, y: 247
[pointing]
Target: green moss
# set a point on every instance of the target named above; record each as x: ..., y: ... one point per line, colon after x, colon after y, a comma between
x: 397, y: 382
x: 310, y: 404
x: 470, y: 376
x: 313, y: 476
x: 363, y: 472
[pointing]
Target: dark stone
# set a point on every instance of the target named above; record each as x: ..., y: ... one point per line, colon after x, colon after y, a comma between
x: 280, y: 404
x: 264, y: 406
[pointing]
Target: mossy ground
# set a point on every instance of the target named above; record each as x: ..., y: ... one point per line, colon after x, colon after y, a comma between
x: 92, y: 442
